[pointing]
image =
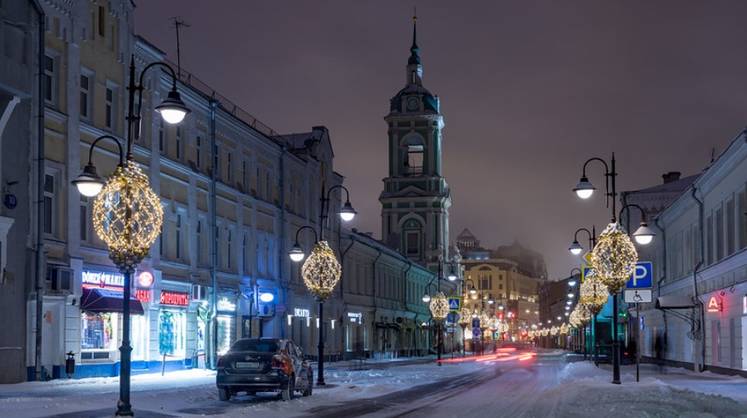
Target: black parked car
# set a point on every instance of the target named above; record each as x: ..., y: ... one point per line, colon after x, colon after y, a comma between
x: 263, y: 365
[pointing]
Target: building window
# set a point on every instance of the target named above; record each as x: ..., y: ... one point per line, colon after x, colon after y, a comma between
x: 49, y: 204
x: 172, y: 333
x: 86, y: 83
x: 742, y: 216
x: 111, y: 102
x: 161, y: 139
x: 99, y: 331
x: 709, y: 238
x: 413, y: 233
x: 198, y: 151
x: 244, y: 180
x: 228, y: 249
x: 731, y: 227
x: 178, y: 237
x: 178, y: 142
x: 216, y: 160
x: 244, y: 253
x: 719, y: 227
x: 414, y: 161
x: 200, y: 257
x: 228, y: 167
x: 83, y: 218
x: 50, y: 80
x: 102, y: 21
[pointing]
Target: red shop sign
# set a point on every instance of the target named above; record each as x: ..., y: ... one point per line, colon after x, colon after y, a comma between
x: 714, y: 305
x: 174, y: 298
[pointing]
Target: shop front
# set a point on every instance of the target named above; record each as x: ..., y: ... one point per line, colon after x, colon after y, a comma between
x: 173, y: 321
x: 355, y: 335
x: 101, y: 323
x: 225, y: 323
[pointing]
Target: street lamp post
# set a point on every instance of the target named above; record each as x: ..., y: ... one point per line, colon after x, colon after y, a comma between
x: 127, y: 213
x: 584, y: 189
x: 321, y: 271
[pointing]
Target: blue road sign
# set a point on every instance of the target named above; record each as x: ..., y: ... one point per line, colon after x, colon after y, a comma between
x: 642, y: 277
x: 454, y: 304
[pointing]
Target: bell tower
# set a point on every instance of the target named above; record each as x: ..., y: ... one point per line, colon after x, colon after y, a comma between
x: 416, y: 199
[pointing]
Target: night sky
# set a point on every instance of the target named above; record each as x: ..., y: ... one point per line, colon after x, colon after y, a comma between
x: 529, y: 90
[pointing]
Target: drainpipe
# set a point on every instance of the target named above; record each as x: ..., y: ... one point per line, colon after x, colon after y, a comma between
x: 213, y: 328
x: 699, y: 303
x: 39, y: 253
x: 404, y: 288
x: 657, y: 222
x: 281, y: 244
x: 376, y: 260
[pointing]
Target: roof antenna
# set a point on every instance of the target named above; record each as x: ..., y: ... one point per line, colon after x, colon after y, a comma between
x: 178, y: 23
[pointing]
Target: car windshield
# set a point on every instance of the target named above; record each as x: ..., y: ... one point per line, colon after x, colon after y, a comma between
x: 263, y: 346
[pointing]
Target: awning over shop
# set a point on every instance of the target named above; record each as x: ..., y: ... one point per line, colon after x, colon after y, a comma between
x: 674, y: 302
x: 105, y: 300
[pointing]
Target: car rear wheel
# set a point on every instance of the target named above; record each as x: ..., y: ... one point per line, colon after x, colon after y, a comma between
x: 224, y: 394
x: 286, y: 393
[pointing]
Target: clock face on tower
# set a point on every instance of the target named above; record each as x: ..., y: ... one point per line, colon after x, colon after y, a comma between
x: 413, y: 104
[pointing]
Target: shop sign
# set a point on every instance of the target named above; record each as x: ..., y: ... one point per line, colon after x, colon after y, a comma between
x: 355, y: 317
x: 174, y: 298
x: 226, y: 305
x: 143, y: 295
x: 103, y: 279
x: 304, y: 313
x: 714, y: 305
x: 145, y: 279
x: 266, y: 296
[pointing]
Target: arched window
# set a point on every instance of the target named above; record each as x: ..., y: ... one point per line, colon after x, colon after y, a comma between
x: 412, y: 231
x: 414, y: 155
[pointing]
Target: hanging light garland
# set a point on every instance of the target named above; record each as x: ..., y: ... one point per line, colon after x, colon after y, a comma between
x: 593, y: 293
x: 484, y: 320
x: 614, y: 257
x: 554, y: 331
x: 439, y: 306
x: 545, y: 332
x: 564, y: 328
x: 321, y: 270
x: 579, y: 316
x: 127, y: 216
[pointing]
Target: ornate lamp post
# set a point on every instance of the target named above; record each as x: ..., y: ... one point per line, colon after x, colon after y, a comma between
x: 321, y: 271
x: 127, y: 214
x: 575, y: 248
x: 439, y: 307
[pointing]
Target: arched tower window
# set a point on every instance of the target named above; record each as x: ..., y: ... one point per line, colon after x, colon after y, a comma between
x: 412, y: 231
x: 414, y: 148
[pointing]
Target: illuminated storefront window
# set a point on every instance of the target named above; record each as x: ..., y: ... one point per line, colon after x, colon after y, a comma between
x: 99, y: 331
x: 172, y: 335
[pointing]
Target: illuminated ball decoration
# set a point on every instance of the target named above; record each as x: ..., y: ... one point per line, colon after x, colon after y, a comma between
x: 127, y: 216
x: 439, y: 306
x: 564, y: 328
x: 465, y: 316
x: 593, y: 293
x: 545, y: 332
x: 579, y: 316
x: 321, y: 271
x: 484, y: 320
x: 554, y: 331
x: 614, y: 257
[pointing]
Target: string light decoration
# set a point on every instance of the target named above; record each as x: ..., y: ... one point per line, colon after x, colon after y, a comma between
x: 503, y: 327
x: 484, y: 321
x: 564, y: 328
x: 593, y: 293
x: 554, y: 331
x: 545, y: 332
x: 614, y: 257
x: 579, y: 316
x: 464, y: 316
x: 127, y: 215
x: 439, y: 306
x: 321, y: 271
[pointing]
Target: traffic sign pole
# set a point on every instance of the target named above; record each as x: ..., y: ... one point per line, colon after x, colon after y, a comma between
x: 638, y: 343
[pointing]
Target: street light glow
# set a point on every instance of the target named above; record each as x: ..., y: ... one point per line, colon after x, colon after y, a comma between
x: 347, y: 213
x: 296, y: 253
x: 173, y: 110
x: 575, y: 248
x: 584, y: 189
x: 644, y: 235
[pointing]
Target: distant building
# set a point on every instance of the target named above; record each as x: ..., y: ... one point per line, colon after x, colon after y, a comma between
x: 510, y: 275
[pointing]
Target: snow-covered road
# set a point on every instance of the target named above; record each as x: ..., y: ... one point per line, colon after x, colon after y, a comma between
x: 506, y: 385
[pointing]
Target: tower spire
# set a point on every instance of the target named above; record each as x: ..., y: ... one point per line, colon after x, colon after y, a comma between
x: 414, y: 50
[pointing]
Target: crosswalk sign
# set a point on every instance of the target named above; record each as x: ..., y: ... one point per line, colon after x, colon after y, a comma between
x: 454, y: 304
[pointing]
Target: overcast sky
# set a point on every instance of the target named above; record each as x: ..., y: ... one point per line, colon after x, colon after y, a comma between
x: 529, y: 90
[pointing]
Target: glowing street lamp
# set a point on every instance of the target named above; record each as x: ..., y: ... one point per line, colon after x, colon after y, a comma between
x: 127, y: 214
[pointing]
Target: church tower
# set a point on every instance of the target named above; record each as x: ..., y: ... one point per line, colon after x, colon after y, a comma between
x: 416, y: 199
